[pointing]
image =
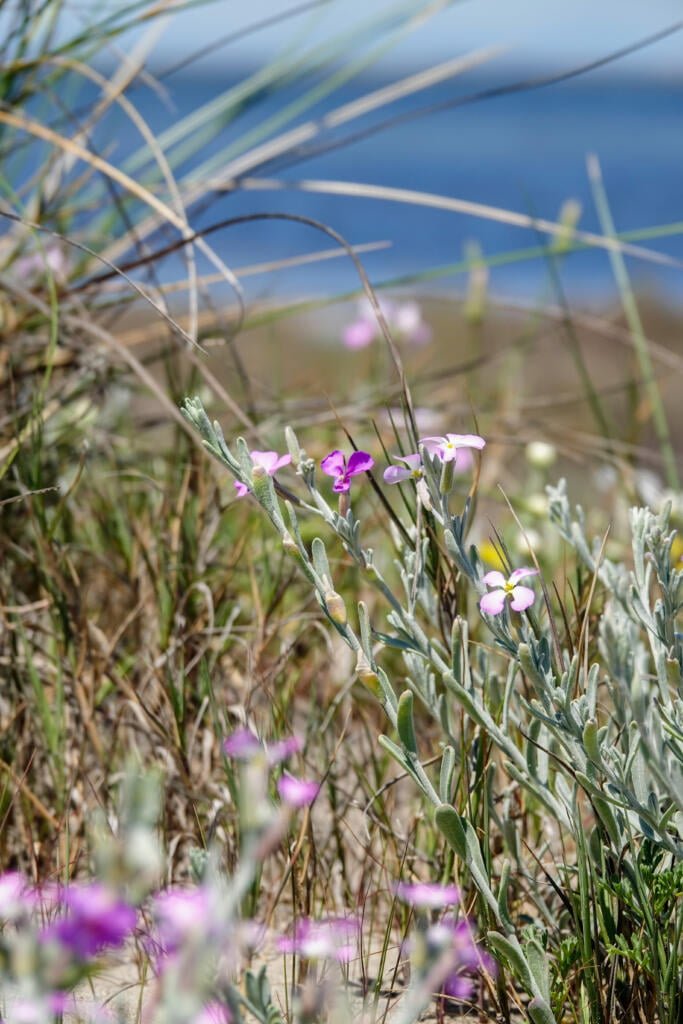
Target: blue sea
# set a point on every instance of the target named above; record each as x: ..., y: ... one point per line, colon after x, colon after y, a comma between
x: 525, y: 152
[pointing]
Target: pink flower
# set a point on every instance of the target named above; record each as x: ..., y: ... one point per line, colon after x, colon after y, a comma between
x: 446, y: 448
x: 297, y: 792
x: 331, y: 939
x: 335, y: 465
x: 38, y: 1009
x: 411, y: 471
x: 403, y: 319
x: 182, y: 916
x: 464, y: 957
x: 214, y: 1013
x: 95, y: 918
x: 429, y: 895
x: 520, y: 597
x: 37, y: 264
x: 243, y: 745
x: 360, y: 333
x: 270, y: 461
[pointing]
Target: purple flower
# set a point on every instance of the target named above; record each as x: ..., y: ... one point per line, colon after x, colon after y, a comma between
x: 243, y: 745
x: 335, y: 465
x: 428, y: 894
x: 331, y: 939
x: 270, y: 461
x: 297, y: 792
x: 446, y: 448
x: 403, y: 319
x: 458, y: 986
x: 456, y: 940
x: 520, y: 597
x: 95, y: 918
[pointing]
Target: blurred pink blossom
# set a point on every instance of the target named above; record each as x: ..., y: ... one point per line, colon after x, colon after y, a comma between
x: 328, y: 939
x: 297, y: 792
x: 429, y: 895
x: 404, y: 319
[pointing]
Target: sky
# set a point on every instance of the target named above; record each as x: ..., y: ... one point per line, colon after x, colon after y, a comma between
x: 546, y: 34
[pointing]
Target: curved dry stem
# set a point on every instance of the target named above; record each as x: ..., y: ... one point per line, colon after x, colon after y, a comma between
x: 41, y: 131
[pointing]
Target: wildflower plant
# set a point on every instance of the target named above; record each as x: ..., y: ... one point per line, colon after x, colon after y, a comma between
x: 585, y: 722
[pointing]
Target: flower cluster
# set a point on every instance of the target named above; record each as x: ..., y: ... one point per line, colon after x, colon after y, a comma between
x: 244, y: 745
x: 57, y: 934
x: 404, y: 319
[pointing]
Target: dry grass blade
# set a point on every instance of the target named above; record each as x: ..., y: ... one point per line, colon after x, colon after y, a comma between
x: 97, y: 163
x: 449, y: 204
x: 113, y: 94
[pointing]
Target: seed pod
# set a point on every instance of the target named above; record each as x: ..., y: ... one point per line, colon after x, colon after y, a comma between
x: 336, y: 609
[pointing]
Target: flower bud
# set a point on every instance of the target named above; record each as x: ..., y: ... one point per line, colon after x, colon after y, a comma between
x: 537, y: 504
x: 540, y: 454
x: 293, y: 446
x: 367, y: 675
x: 447, y: 476
x: 289, y: 544
x: 336, y: 609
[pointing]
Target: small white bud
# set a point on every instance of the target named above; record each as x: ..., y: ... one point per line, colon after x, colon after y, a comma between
x: 540, y: 454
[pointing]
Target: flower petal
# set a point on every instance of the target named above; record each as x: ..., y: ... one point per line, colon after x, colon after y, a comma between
x: 433, y: 445
x: 334, y: 464
x: 396, y: 474
x: 359, y: 334
x: 242, y: 744
x: 495, y: 579
x: 466, y: 440
x: 297, y: 792
x: 464, y: 460
x: 493, y: 602
x: 359, y: 462
x: 342, y: 484
x: 413, y: 460
x: 265, y: 459
x: 522, y: 597
x: 428, y: 894
x: 407, y: 317
x: 241, y: 489
x: 519, y: 574
x: 283, y: 460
